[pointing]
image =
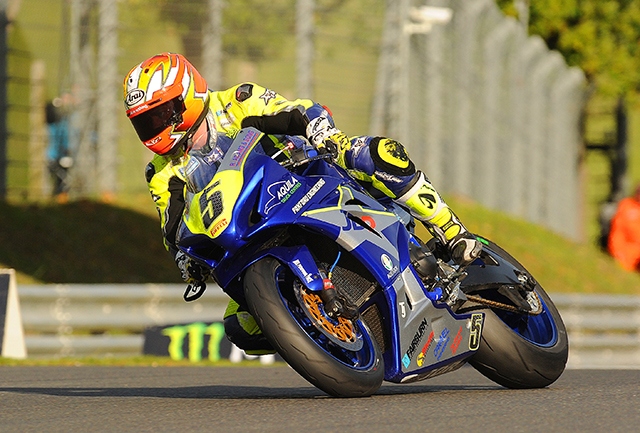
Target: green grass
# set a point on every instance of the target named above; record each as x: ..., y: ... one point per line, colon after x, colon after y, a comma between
x: 93, y: 242
x: 133, y: 361
x: 83, y: 242
x: 559, y: 264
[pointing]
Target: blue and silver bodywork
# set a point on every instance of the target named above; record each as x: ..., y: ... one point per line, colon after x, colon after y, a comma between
x: 250, y: 203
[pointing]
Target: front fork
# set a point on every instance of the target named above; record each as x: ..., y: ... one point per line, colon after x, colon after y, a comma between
x: 303, y: 265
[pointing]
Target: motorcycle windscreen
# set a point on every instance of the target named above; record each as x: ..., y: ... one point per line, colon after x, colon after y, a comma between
x: 209, y: 212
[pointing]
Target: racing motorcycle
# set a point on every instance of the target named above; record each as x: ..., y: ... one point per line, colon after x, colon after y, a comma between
x: 343, y: 288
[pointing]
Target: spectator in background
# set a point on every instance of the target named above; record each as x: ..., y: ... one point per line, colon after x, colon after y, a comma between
x: 624, y: 238
x: 59, y: 158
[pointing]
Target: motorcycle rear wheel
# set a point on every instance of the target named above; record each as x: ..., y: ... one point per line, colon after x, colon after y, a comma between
x: 522, y: 351
x: 335, y: 369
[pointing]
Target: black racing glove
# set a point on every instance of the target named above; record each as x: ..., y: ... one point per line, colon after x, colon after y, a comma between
x: 191, y: 271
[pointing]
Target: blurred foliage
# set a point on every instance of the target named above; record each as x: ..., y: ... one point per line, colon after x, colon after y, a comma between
x: 599, y: 36
x: 83, y: 242
x: 246, y: 23
x: 249, y: 19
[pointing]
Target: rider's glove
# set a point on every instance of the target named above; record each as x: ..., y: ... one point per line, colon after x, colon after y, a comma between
x: 191, y: 271
x: 299, y: 145
x: 327, y: 138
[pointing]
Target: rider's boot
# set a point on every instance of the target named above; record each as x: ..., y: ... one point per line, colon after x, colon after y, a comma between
x: 243, y: 331
x: 427, y: 206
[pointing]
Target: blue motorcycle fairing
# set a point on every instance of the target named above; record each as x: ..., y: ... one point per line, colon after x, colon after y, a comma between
x: 425, y: 336
x: 364, y: 227
x: 301, y: 263
x: 323, y: 200
x: 370, y: 233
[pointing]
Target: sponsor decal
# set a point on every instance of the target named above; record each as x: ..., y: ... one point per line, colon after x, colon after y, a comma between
x: 153, y: 141
x: 442, y: 343
x: 307, y: 276
x: 305, y: 199
x: 219, y: 226
x: 280, y: 192
x: 386, y: 262
x: 239, y: 154
x: 192, y: 166
x: 194, y: 342
x: 226, y: 119
x: 133, y: 97
x: 213, y: 157
x: 388, y: 265
x: 137, y: 110
x: 352, y: 225
x: 456, y: 341
x: 403, y: 312
x: 475, y: 328
x: 388, y: 177
x: 392, y: 271
x: 406, y: 359
x: 267, y: 96
x: 425, y: 349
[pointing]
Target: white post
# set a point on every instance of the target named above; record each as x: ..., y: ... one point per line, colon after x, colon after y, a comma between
x: 107, y: 103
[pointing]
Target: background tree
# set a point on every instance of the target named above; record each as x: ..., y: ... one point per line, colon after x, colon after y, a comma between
x: 599, y: 36
x: 254, y: 29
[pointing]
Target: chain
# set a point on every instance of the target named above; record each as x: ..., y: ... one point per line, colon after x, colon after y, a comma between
x: 500, y: 305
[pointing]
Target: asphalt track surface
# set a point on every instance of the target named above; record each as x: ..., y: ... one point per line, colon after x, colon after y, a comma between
x: 276, y: 399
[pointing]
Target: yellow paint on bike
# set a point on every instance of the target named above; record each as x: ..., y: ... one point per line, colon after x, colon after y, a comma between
x: 210, y: 211
x: 346, y: 194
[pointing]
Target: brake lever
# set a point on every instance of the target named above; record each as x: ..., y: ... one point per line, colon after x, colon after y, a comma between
x: 194, y: 291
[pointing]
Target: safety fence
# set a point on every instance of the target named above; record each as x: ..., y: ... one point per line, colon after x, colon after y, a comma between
x: 109, y: 320
x: 486, y: 110
x: 604, y: 330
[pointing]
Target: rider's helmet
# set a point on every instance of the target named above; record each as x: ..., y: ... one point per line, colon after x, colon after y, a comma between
x: 166, y: 100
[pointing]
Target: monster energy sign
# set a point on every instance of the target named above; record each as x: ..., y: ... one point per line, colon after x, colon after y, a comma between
x: 192, y: 341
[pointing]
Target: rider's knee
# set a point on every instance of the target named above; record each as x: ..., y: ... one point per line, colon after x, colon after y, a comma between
x: 391, y: 156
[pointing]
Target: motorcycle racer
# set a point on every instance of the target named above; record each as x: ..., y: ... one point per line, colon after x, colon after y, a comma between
x: 173, y: 112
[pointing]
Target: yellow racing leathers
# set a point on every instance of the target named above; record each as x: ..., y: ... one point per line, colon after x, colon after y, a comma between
x: 241, y: 106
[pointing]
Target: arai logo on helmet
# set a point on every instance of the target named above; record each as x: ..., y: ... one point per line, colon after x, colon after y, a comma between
x: 133, y: 97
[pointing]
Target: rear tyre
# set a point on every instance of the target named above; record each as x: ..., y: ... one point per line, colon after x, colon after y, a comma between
x: 519, y: 350
x: 349, y: 368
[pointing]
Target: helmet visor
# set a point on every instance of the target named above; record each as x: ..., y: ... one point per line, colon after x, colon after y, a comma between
x: 152, y: 122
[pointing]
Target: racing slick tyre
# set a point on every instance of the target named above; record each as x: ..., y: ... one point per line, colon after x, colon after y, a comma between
x: 340, y: 357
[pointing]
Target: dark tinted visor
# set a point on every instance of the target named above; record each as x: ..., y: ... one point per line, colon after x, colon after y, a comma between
x: 153, y: 122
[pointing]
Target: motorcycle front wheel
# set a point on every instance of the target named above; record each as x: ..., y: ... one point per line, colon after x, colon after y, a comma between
x: 340, y: 357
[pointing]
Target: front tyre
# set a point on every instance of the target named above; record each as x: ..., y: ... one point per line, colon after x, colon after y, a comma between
x: 345, y: 362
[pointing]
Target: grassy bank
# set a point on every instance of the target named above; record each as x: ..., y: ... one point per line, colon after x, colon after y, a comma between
x: 92, y: 242
x: 83, y: 242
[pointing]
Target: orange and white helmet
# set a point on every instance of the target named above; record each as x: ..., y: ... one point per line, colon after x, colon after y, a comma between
x: 166, y: 100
